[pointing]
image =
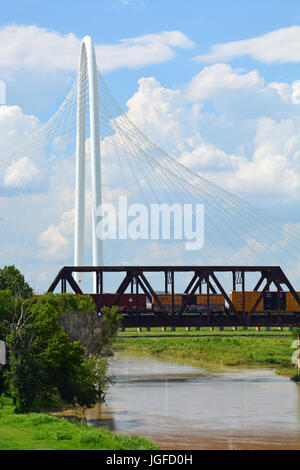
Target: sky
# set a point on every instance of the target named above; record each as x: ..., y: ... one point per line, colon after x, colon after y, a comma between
x: 215, y: 84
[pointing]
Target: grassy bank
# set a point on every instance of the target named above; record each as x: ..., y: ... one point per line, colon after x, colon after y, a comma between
x: 38, y: 431
x: 215, y: 349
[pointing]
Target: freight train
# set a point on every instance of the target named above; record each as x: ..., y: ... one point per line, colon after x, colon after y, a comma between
x: 283, y: 302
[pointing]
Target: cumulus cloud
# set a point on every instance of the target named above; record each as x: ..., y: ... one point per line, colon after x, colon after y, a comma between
x: 20, y: 173
x: 15, y: 127
x: 53, y: 242
x: 218, y: 78
x: 31, y: 47
x: 241, y: 146
x: 280, y: 46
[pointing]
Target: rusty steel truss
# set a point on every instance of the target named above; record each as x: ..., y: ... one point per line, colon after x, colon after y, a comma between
x: 204, y: 280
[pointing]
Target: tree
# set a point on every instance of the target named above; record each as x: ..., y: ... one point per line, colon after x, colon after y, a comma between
x: 7, y: 310
x: 80, y: 320
x: 44, y: 363
x: 11, y: 278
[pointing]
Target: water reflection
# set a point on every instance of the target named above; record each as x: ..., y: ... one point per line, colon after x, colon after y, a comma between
x: 181, y: 406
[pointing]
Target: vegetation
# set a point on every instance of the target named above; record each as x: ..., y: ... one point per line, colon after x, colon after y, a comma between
x: 221, y: 349
x: 57, y: 346
x: 39, y: 431
x: 57, y: 353
x: 12, y: 279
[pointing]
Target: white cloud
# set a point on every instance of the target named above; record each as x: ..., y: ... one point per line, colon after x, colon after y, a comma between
x: 280, y: 46
x: 31, y: 47
x: 154, y: 107
x: 15, y: 127
x: 20, y: 173
x: 250, y: 146
x: 141, y: 51
x: 53, y: 242
x: 205, y: 156
x: 218, y: 78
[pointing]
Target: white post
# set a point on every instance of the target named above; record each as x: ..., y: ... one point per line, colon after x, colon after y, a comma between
x: 87, y: 68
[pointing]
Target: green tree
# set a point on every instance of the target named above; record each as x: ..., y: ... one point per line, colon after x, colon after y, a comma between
x: 110, y: 324
x: 80, y: 320
x: 44, y: 363
x: 8, y: 306
x: 24, y: 375
x: 11, y: 278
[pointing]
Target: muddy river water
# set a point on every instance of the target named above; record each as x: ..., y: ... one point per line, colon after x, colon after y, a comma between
x: 184, y: 407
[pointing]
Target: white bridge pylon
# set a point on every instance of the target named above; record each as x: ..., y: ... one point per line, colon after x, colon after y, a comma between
x: 87, y: 81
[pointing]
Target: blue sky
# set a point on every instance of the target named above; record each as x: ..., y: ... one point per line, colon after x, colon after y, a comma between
x: 214, y: 83
x: 204, y: 22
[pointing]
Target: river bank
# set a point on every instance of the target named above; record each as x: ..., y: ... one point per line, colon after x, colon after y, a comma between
x: 215, y: 350
x: 40, y: 431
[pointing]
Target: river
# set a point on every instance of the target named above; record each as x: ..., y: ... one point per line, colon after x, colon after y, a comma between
x: 180, y: 406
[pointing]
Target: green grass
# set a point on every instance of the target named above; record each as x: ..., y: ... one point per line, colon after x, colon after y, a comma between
x: 39, y: 431
x: 215, y: 349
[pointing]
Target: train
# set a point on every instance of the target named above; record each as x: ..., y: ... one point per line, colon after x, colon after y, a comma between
x: 271, y: 302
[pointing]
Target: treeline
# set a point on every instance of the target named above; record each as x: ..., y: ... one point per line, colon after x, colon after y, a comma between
x: 57, y: 346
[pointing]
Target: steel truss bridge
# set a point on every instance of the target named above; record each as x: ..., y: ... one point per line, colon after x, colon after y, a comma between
x: 205, y: 280
x: 234, y: 229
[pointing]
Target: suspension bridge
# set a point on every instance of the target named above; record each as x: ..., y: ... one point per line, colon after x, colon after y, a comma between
x: 240, y: 276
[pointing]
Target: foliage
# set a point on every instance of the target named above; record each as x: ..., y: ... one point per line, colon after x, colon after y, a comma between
x: 49, y: 339
x: 11, y: 278
x: 8, y: 306
x: 99, y: 368
x: 110, y: 323
x: 24, y: 374
x: 82, y: 323
x: 44, y: 362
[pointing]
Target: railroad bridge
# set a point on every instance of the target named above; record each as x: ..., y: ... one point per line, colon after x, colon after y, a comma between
x: 134, y: 166
x: 205, y: 301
